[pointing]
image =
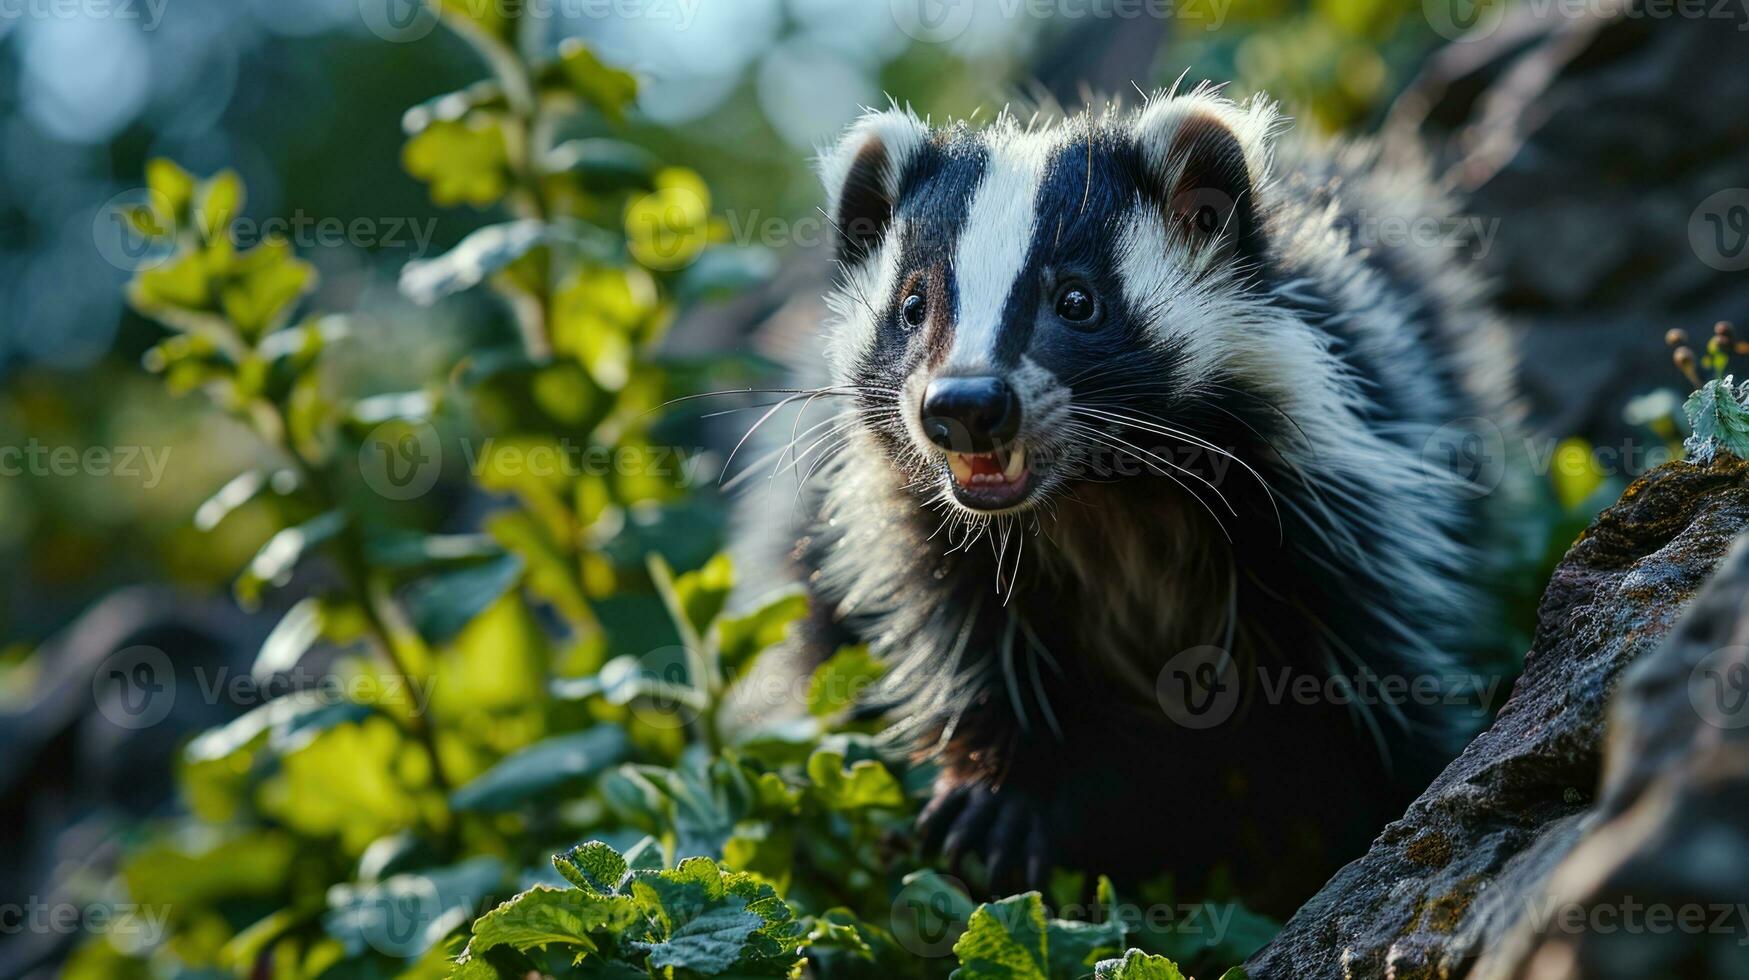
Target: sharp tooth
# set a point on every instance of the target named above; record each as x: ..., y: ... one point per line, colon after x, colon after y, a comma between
x: 962, y: 467
x: 1016, y: 463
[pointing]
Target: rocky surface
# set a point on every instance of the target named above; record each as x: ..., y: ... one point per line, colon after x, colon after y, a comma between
x: 1473, y: 881
x: 1614, y: 182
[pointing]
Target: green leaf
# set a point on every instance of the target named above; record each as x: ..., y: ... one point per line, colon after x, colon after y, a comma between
x: 696, y: 598
x: 405, y: 915
x: 544, y: 916
x: 1718, y: 419
x: 180, y: 284
x: 715, y: 922
x: 246, y: 486
x: 220, y: 201
x: 709, y: 942
x: 604, y: 165
x: 172, y: 187
x: 497, y: 20
x: 1005, y: 940
x: 725, y: 270
x: 865, y: 784
x: 1137, y: 965
x: 593, y: 866
x: 468, y: 264
x: 442, y: 605
x: 741, y: 638
x: 543, y: 768
x: 258, y: 291
x: 274, y: 563
x: 607, y: 89
x: 840, y: 681
x: 354, y: 782
x: 290, y: 639
x: 1076, y: 946
x: 465, y: 161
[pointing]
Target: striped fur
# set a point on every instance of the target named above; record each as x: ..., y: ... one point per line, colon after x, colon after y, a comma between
x: 1235, y: 456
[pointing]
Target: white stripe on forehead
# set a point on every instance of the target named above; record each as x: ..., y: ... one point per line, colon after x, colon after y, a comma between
x: 994, y: 241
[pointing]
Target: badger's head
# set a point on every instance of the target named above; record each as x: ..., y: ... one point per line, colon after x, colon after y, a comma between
x: 1019, y: 304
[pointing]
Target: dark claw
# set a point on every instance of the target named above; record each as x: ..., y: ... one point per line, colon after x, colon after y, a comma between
x: 1005, y: 827
x: 1038, y: 858
x: 938, y: 817
x: 969, y: 830
x: 1004, y: 846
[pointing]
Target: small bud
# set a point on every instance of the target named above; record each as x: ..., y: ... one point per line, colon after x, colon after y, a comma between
x: 1684, y: 358
x: 1742, y: 347
x: 1676, y: 337
x: 1722, y: 329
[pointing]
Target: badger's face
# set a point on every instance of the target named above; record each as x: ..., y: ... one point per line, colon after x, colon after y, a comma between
x: 1019, y: 305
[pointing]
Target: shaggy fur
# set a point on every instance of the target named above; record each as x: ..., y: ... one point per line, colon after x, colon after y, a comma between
x: 1234, y: 456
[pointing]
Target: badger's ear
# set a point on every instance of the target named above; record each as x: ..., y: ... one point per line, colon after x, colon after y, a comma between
x: 862, y: 175
x: 1204, y: 159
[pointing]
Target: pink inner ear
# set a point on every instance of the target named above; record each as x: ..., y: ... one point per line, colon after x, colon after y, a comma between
x: 1210, y: 192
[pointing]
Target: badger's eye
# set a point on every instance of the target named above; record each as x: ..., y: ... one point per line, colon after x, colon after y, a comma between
x: 915, y: 309
x: 1075, y: 303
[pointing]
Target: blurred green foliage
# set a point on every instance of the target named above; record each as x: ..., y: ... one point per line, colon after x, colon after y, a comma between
x: 561, y: 669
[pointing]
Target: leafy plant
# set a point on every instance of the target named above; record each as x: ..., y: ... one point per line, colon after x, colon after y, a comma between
x: 568, y: 673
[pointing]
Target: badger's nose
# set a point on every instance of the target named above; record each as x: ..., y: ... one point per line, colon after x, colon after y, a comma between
x: 970, y: 415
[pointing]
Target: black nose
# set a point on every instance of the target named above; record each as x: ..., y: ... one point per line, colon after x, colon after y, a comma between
x: 970, y: 415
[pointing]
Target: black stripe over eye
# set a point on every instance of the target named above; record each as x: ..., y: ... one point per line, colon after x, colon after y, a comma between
x: 915, y: 309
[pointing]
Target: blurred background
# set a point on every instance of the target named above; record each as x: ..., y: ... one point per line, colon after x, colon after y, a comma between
x: 1604, y: 152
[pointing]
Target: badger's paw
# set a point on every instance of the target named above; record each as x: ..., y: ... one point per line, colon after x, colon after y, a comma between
x: 1008, y: 828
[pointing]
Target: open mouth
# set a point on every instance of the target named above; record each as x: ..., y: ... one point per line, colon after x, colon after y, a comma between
x: 994, y: 480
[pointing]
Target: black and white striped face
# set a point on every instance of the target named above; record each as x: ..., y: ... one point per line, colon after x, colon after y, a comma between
x: 1005, y: 288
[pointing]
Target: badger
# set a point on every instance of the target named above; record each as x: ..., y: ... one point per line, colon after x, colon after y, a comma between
x: 1139, y: 468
